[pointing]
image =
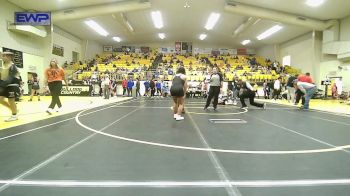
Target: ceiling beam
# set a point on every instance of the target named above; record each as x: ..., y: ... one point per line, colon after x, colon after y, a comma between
x: 264, y: 13
x: 97, y: 10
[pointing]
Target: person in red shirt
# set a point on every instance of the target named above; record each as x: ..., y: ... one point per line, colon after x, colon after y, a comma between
x: 124, y: 85
x: 305, y: 78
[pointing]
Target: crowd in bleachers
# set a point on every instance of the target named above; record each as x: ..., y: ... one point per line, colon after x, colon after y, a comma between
x: 125, y: 66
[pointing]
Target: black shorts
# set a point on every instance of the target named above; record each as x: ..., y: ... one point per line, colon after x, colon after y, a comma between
x: 177, y: 91
x: 11, y: 91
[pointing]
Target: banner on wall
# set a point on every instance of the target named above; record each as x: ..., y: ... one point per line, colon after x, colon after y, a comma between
x: 107, y: 48
x: 115, y: 49
x: 145, y: 49
x: 242, y: 51
x: 128, y: 48
x: 17, y: 56
x: 178, y: 47
x: 76, y: 91
x: 58, y: 50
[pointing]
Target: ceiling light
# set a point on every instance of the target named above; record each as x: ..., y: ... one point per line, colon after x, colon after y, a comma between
x: 213, y: 18
x: 161, y: 35
x: 314, y: 3
x: 117, y: 39
x: 157, y: 19
x: 96, y: 27
x: 245, y: 42
x: 186, y: 5
x: 269, y: 32
x: 202, y: 36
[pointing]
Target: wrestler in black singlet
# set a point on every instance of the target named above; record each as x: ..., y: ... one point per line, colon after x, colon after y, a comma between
x: 177, y: 87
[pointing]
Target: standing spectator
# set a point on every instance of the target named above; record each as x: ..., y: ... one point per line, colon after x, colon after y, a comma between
x: 277, y: 88
x: 130, y: 85
x: 114, y: 88
x: 339, y: 84
x: 138, y: 87
x: 146, y: 84
x: 152, y: 86
x: 124, y: 85
x: 291, y: 89
x: 35, y: 87
x: 106, y: 86
x: 159, y: 88
x: 266, y: 89
x: 54, y: 77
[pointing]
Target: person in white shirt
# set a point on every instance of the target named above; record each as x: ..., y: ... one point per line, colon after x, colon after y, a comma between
x: 277, y: 88
x: 339, y: 85
x: 106, y: 87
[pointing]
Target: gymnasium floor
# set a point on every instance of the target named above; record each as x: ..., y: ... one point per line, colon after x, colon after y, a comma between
x: 134, y: 147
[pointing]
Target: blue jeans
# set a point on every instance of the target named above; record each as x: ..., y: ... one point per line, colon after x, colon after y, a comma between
x: 309, y: 93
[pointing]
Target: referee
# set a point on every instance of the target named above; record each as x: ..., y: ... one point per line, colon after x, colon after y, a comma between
x: 216, y: 81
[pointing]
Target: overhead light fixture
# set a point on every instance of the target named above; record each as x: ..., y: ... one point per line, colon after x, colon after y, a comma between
x: 314, y: 3
x: 245, y: 42
x: 186, y: 5
x: 126, y: 22
x: 212, y: 20
x: 269, y: 32
x: 202, y: 36
x: 157, y: 19
x: 117, y: 39
x: 161, y: 35
x: 96, y: 27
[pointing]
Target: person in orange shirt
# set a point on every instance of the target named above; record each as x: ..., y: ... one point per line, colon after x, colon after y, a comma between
x: 54, y: 76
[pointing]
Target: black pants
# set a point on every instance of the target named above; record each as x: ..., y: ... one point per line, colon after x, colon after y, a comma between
x: 55, y: 91
x: 251, y: 95
x: 299, y: 95
x: 159, y: 91
x: 276, y: 93
x: 214, y: 91
x: 124, y: 91
x: 153, y: 90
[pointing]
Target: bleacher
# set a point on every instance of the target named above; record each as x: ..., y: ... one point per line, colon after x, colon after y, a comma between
x: 231, y: 66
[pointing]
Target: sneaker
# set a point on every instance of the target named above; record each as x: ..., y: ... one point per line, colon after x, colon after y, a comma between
x: 59, y: 109
x: 205, y: 108
x: 175, y: 116
x: 178, y: 118
x: 215, y: 109
x: 264, y: 106
x: 49, y: 111
x: 245, y: 107
x: 12, y: 118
